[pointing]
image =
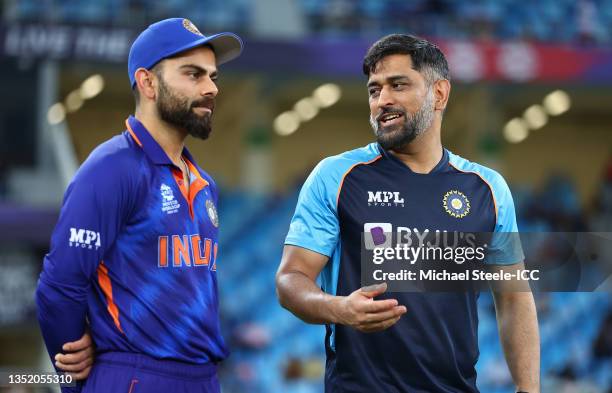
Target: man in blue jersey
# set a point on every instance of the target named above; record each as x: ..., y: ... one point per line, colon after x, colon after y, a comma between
x: 402, y: 341
x: 133, y: 255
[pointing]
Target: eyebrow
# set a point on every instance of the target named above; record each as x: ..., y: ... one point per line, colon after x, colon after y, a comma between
x: 389, y: 79
x: 197, y: 68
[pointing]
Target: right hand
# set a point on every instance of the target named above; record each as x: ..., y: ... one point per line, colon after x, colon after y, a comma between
x: 78, y: 357
x: 360, y: 311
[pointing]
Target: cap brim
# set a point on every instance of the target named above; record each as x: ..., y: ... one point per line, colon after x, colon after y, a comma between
x: 227, y: 46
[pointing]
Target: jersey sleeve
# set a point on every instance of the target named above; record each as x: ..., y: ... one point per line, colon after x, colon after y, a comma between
x: 505, y: 247
x: 315, y: 222
x: 94, y: 208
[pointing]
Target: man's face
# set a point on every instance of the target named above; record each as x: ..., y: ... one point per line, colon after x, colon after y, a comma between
x: 186, y: 91
x: 401, y: 102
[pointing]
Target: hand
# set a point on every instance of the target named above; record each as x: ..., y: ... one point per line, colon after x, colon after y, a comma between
x: 360, y: 311
x: 78, y: 357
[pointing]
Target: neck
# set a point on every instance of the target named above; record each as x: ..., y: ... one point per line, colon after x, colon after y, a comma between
x: 170, y: 138
x: 422, y: 154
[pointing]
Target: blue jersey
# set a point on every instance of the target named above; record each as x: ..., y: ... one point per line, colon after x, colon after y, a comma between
x: 434, y: 346
x: 135, y: 255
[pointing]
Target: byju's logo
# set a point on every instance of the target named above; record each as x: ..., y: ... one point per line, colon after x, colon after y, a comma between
x: 377, y: 234
x: 84, y: 238
x: 385, y: 198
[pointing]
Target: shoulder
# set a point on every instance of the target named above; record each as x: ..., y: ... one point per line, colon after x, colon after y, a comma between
x: 325, y: 180
x: 334, y: 168
x: 115, y: 161
x: 494, y: 179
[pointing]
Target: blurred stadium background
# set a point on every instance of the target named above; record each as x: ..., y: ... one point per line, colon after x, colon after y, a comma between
x: 532, y: 97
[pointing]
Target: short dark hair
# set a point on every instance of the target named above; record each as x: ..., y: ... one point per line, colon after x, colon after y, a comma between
x: 426, y: 57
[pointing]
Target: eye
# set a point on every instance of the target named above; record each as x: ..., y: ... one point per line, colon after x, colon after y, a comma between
x: 397, y: 85
x: 373, y: 91
x: 194, y: 75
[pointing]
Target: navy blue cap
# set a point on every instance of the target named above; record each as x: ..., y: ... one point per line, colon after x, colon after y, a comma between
x: 169, y: 37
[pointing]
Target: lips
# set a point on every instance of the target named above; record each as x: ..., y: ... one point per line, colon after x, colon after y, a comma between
x: 389, y: 118
x: 204, y: 104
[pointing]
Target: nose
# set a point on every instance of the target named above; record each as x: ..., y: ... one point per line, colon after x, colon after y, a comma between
x: 385, y: 97
x: 209, y: 88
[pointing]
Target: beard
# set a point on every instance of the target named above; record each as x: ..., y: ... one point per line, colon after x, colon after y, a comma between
x: 398, y: 136
x: 178, y: 111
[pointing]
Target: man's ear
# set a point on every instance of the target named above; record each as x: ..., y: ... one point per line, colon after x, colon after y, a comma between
x: 145, y: 83
x: 442, y: 89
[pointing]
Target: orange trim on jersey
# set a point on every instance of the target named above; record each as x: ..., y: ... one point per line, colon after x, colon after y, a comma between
x: 194, y: 187
x: 127, y: 123
x: 193, y: 169
x: 197, y: 186
x: 178, y: 178
x: 486, y: 182
x: 107, y: 289
x: 349, y: 170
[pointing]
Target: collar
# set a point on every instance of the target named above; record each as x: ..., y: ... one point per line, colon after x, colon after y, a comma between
x: 150, y: 146
x: 441, y: 166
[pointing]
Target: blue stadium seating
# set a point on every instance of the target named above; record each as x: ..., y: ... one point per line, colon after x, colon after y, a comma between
x: 544, y: 20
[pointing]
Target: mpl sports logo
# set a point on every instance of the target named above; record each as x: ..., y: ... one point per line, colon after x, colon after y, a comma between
x: 385, y: 198
x: 84, y: 238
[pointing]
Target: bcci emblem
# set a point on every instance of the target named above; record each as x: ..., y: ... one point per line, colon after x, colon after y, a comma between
x: 456, y: 204
x: 191, y: 27
x: 212, y: 213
